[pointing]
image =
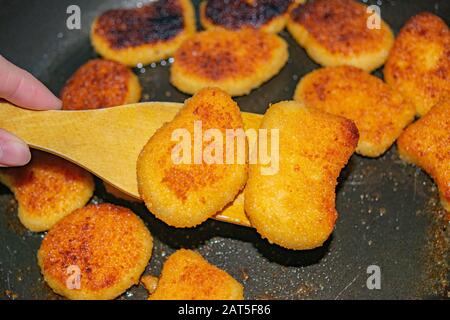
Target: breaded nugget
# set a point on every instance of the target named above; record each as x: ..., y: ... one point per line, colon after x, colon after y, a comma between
x: 105, y: 247
x: 295, y: 207
x: 335, y: 32
x: 235, y: 61
x: 379, y: 112
x: 47, y: 189
x: 426, y: 143
x: 150, y: 283
x: 118, y: 194
x: 419, y: 63
x: 186, y: 194
x: 186, y: 275
x: 266, y: 15
x: 143, y: 35
x: 100, y: 84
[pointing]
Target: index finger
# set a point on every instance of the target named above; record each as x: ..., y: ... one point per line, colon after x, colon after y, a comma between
x: 23, y: 89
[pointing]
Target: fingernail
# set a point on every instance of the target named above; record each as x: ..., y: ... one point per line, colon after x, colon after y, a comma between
x: 57, y: 105
x: 14, y: 153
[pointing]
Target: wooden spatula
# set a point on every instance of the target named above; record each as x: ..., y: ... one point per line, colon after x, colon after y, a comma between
x: 106, y: 142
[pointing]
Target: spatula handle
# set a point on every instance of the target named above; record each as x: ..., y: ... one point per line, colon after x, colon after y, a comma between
x: 104, y: 141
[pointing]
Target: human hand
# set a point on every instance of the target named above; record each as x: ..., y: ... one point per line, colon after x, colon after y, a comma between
x: 21, y: 88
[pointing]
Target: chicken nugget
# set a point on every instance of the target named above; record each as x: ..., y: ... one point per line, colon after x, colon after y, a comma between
x: 143, y: 35
x: 150, y: 283
x: 186, y: 275
x: 295, y: 206
x: 184, y: 192
x: 116, y: 193
x: 419, y: 63
x: 340, y: 32
x: 266, y: 15
x: 235, y: 61
x: 96, y: 252
x: 426, y: 143
x: 379, y: 112
x: 47, y: 189
x: 100, y: 84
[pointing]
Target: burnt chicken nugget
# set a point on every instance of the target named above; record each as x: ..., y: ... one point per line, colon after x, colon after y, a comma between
x: 47, y: 189
x: 379, y: 112
x: 426, y: 143
x: 266, y: 15
x: 236, y: 62
x: 294, y: 207
x: 100, y: 84
x: 143, y: 35
x: 419, y: 63
x: 184, y: 192
x: 336, y: 32
x: 96, y: 252
x: 186, y: 275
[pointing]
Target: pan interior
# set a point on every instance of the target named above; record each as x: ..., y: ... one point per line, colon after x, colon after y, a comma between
x: 389, y: 211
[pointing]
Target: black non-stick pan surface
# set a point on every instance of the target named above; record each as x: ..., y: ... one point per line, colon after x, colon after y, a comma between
x: 389, y: 211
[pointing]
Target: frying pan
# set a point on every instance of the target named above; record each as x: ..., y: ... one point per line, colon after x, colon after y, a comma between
x: 389, y: 211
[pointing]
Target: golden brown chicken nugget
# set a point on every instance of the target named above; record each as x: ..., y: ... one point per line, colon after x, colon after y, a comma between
x: 419, y: 63
x: 96, y: 252
x: 294, y: 207
x: 186, y: 275
x: 143, y: 35
x: 336, y: 32
x: 184, y: 192
x: 47, y: 189
x: 379, y: 112
x: 100, y: 84
x: 235, y: 61
x: 266, y: 15
x: 426, y: 143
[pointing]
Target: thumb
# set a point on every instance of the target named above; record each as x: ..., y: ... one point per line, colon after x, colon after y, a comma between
x: 13, y: 151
